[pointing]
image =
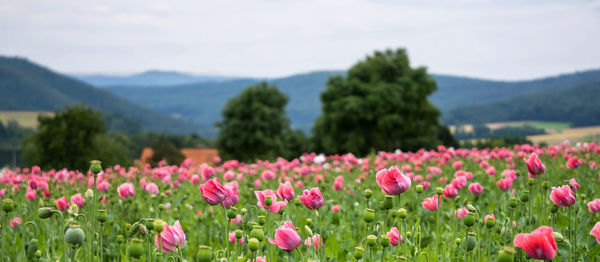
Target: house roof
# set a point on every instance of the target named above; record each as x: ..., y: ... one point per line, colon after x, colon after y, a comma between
x: 199, y: 155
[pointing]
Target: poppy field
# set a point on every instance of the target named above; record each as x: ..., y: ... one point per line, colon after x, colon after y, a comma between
x: 497, y: 204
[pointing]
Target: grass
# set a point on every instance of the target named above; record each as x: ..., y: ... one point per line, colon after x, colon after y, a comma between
x: 550, y: 127
x: 24, y: 118
x: 574, y: 135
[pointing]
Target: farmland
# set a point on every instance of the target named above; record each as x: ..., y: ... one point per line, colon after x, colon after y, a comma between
x: 438, y: 205
x: 24, y: 118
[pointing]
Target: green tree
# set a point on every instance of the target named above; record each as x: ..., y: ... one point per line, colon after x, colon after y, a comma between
x: 164, y: 149
x: 381, y: 104
x: 253, y: 124
x: 72, y: 138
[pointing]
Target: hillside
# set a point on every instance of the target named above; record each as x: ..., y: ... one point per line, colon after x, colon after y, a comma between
x: 148, y: 78
x: 202, y: 102
x: 25, y: 86
x: 576, y: 105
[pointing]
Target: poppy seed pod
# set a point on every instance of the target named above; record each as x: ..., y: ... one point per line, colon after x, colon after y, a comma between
x: 384, y: 241
x: 159, y: 225
x: 120, y: 239
x: 513, y: 202
x: 458, y: 241
x: 439, y: 190
x: 297, y: 202
x: 358, y: 252
x: 531, y: 182
x: 470, y: 220
x: 387, y: 203
x: 204, y: 254
x: 402, y: 213
x: 231, y: 213
x: 239, y: 234
x: 150, y: 224
x: 506, y: 255
x: 44, y: 212
x: 8, y: 205
x: 74, y: 235
x: 470, y: 242
x: 554, y: 209
x: 258, y: 233
x: 262, y: 220
x: 38, y: 253
x: 243, y: 211
x: 253, y: 244
x: 101, y: 215
x: 369, y: 215
x: 371, y: 240
x: 135, y: 248
x: 546, y: 185
x: 490, y: 223
x: 268, y: 201
x: 96, y: 166
x: 419, y: 189
x: 368, y: 193
x: 524, y: 196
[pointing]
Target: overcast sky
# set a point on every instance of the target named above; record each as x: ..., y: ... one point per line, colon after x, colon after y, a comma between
x: 268, y: 38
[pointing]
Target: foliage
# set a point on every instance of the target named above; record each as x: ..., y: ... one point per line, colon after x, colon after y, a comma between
x: 12, y: 134
x: 163, y: 149
x: 381, y: 104
x: 507, y: 141
x: 70, y: 139
x: 253, y: 125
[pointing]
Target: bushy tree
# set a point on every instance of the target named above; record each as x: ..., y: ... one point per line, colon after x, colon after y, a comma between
x: 71, y: 139
x: 381, y: 104
x: 163, y: 149
x: 254, y: 124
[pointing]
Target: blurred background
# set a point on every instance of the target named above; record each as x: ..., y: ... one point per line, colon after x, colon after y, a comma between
x: 145, y: 81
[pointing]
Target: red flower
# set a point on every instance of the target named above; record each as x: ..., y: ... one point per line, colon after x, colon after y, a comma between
x: 562, y: 196
x: 392, y: 181
x: 504, y: 184
x: 539, y: 244
x: 449, y: 191
x: 312, y: 199
x: 573, y: 162
x: 596, y: 231
x: 286, y: 237
x: 475, y: 188
x: 213, y: 192
x: 535, y: 165
x: 594, y: 205
x: 62, y: 203
x: 430, y: 203
x: 286, y: 191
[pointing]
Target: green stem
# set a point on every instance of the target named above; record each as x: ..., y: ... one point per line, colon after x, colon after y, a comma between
x: 226, y: 232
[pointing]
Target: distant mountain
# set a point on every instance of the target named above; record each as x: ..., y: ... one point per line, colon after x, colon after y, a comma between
x: 149, y: 78
x: 26, y: 86
x: 578, y: 105
x: 202, y: 102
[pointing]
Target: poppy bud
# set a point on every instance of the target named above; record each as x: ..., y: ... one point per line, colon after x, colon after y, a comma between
x: 358, y: 253
x: 74, y: 235
x: 458, y: 241
x: 506, y: 255
x: 470, y: 220
x: 546, y: 185
x: 159, y: 225
x: 7, y: 205
x: 135, y: 248
x: 44, y: 212
x: 268, y: 201
x: 204, y: 254
x: 95, y: 166
x: 262, y: 220
x: 371, y: 240
x: 419, y: 189
x: 408, y: 234
x: 471, y: 208
x: 253, y: 244
x: 369, y: 215
x: 308, y: 222
x: 101, y: 215
x: 513, y: 202
x: 554, y: 209
x: 558, y: 236
x: 384, y: 241
x: 368, y: 193
x: 257, y: 233
x: 89, y: 193
x: 439, y: 190
x: 402, y: 213
x: 308, y: 231
x: 133, y: 229
x: 38, y: 253
x: 387, y: 203
x: 239, y: 234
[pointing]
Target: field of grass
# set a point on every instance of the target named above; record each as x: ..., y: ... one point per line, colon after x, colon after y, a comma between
x: 572, y: 134
x: 550, y: 127
x: 24, y: 118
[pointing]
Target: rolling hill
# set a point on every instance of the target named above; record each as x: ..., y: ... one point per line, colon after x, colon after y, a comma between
x: 202, y: 102
x: 25, y: 86
x: 148, y: 78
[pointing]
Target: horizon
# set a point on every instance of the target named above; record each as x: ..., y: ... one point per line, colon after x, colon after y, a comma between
x: 495, y: 40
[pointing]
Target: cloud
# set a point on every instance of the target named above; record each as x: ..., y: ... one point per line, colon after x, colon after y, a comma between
x: 495, y: 39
